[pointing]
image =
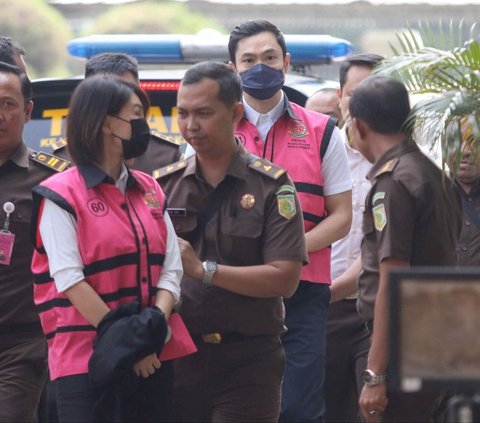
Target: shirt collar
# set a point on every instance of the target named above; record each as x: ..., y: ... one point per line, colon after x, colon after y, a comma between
x: 236, y: 168
x: 94, y: 176
x: 406, y: 146
x: 20, y: 156
x: 282, y: 107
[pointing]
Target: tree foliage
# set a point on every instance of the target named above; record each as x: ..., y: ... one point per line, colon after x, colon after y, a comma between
x: 41, y: 30
x: 446, y: 67
x: 151, y: 18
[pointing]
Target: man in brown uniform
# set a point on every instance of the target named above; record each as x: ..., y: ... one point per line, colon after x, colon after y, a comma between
x: 240, y: 216
x: 464, y: 164
x: 160, y: 151
x: 23, y: 365
x: 412, y: 218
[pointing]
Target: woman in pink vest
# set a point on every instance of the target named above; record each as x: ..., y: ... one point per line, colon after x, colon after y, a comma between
x: 107, y: 265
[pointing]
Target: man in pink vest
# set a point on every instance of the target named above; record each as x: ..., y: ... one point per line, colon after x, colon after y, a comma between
x: 309, y: 145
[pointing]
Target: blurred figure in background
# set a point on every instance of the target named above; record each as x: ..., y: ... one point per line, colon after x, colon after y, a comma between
x: 348, y: 340
x: 464, y: 163
x: 160, y: 151
x: 12, y: 53
x: 326, y: 101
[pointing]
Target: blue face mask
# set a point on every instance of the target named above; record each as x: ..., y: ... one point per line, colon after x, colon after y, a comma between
x: 262, y: 82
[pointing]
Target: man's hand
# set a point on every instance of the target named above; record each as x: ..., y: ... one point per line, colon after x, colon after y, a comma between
x: 147, y: 366
x: 373, y: 401
x: 192, y: 266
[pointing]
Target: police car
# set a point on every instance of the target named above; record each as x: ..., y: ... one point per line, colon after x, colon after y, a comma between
x: 52, y: 95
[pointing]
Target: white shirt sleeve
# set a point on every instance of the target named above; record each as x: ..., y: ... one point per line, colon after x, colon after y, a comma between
x: 58, y: 229
x: 172, y: 271
x: 335, y: 168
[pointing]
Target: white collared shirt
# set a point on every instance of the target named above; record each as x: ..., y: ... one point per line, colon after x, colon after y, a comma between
x: 264, y: 121
x: 346, y: 250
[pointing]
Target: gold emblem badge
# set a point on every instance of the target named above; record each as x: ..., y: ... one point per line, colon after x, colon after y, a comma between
x: 286, y: 205
x: 150, y: 199
x: 379, y: 217
x: 247, y: 201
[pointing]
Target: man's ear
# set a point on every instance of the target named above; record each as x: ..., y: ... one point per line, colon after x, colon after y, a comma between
x: 360, y: 127
x: 28, y: 111
x: 339, y: 93
x: 287, y: 62
x: 232, y: 65
x: 238, y: 111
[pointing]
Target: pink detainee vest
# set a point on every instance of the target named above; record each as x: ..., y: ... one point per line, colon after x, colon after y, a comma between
x: 297, y: 142
x: 122, y: 242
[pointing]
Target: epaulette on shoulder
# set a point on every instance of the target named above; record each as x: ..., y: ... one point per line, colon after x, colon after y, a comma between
x: 387, y: 167
x: 49, y: 160
x: 265, y: 167
x: 164, y: 138
x: 169, y: 169
x: 59, y: 144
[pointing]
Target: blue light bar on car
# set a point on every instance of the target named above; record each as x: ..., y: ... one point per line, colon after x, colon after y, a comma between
x: 175, y: 48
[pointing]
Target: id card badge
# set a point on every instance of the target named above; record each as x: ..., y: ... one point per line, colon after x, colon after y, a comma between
x: 6, y: 246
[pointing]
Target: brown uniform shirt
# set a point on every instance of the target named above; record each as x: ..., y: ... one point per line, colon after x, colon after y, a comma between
x: 469, y: 244
x: 18, y: 175
x: 412, y: 213
x: 247, y: 229
x: 160, y: 152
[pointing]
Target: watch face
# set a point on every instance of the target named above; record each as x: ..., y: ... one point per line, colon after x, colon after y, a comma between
x: 211, y: 266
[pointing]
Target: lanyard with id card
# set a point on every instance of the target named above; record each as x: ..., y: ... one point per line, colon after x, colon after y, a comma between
x: 7, y: 238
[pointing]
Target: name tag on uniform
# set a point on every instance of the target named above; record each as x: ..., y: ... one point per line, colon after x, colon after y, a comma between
x: 6, y: 247
x: 176, y: 211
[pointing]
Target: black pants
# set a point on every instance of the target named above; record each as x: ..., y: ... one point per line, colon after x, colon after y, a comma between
x: 348, y: 343
x: 136, y: 399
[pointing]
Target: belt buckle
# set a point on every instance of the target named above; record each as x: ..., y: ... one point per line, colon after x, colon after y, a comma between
x: 212, y: 338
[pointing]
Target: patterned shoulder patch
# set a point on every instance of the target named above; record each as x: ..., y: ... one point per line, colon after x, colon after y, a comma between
x: 59, y: 144
x: 378, y: 196
x: 164, y: 138
x: 267, y: 168
x: 169, y: 169
x: 285, y: 189
x: 379, y: 217
x: 49, y: 160
x: 286, y: 205
x: 387, y: 167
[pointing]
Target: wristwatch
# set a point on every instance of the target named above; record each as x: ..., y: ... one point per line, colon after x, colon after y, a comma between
x: 372, y: 379
x: 210, y: 268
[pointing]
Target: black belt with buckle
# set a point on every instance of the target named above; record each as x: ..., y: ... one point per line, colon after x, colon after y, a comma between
x: 223, y: 338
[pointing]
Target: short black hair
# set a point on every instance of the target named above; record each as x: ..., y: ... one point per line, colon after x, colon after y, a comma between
x: 25, y: 82
x: 113, y: 63
x: 93, y: 100
x: 8, y: 50
x: 229, y: 83
x: 249, y: 28
x: 366, y: 60
x: 382, y: 103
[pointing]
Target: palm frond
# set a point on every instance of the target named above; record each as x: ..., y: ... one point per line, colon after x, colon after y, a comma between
x: 444, y: 66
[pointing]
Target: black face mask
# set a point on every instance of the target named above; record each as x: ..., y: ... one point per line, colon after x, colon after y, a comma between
x: 138, y: 143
